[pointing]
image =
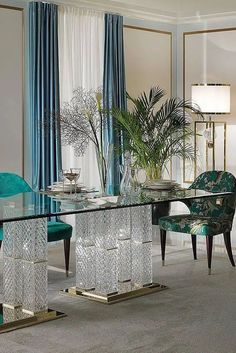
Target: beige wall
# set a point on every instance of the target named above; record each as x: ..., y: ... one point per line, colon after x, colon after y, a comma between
x: 11, y: 90
x: 147, y: 60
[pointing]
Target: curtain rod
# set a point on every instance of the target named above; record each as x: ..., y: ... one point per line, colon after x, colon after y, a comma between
x: 79, y: 7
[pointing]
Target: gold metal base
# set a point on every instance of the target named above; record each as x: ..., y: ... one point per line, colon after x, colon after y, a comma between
x: 115, y: 297
x: 13, y: 319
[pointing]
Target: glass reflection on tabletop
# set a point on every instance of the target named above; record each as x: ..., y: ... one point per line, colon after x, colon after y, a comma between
x: 35, y: 204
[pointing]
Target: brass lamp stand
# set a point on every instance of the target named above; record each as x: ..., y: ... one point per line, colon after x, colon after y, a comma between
x: 211, y: 99
x: 209, y: 144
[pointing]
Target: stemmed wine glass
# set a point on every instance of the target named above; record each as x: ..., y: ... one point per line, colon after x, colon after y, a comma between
x: 62, y: 178
x: 72, y: 174
x: 76, y: 172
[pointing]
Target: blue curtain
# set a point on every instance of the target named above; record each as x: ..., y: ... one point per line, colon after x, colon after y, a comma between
x: 114, y: 93
x: 44, y: 102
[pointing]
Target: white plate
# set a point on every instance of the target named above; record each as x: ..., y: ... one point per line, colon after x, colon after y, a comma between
x: 162, y: 182
x: 98, y: 201
x: 111, y: 199
x: 60, y: 184
x: 67, y: 188
x: 160, y: 187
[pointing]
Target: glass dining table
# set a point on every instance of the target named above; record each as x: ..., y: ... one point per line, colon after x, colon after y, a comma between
x: 113, y: 248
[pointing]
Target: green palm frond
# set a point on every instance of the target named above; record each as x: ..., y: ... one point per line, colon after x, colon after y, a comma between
x: 153, y: 135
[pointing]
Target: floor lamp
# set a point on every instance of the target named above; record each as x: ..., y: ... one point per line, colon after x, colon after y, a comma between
x: 213, y: 99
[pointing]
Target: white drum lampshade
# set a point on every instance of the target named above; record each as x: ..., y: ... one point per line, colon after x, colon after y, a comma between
x: 212, y: 98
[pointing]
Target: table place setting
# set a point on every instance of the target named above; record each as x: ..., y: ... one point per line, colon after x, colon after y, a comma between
x: 60, y: 187
x: 68, y: 188
x: 82, y: 193
x: 161, y: 184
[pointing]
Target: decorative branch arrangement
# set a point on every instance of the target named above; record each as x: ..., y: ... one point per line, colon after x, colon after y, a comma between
x: 82, y: 120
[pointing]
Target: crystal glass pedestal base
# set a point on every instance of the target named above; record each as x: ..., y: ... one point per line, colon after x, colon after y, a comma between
x: 114, y: 298
x: 114, y: 255
x: 24, y: 273
x: 13, y: 319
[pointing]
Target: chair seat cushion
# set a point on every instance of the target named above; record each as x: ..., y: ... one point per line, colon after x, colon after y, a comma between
x: 56, y: 231
x: 195, y: 224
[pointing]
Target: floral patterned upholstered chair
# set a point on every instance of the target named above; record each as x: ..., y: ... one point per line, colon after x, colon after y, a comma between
x: 208, y: 217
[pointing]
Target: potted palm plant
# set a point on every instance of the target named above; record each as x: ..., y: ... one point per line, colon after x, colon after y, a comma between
x: 154, y: 134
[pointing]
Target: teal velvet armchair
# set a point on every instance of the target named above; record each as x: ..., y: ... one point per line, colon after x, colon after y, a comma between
x: 208, y: 217
x: 12, y: 184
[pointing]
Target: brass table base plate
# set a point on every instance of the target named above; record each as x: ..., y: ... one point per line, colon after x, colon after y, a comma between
x: 115, y: 297
x: 13, y: 319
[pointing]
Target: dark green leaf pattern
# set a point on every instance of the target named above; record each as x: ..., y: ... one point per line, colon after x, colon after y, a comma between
x: 208, y: 216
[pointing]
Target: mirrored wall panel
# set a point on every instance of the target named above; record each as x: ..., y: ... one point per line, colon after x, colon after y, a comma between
x: 209, y: 58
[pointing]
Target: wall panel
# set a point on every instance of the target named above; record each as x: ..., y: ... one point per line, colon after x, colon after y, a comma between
x: 148, y: 63
x: 210, y: 57
x: 148, y: 59
x: 11, y: 90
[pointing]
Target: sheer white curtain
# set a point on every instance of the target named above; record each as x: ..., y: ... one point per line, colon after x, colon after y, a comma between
x: 81, y: 47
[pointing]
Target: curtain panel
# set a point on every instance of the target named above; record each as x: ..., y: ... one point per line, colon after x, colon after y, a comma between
x: 81, y: 52
x: 114, y: 93
x: 44, y: 94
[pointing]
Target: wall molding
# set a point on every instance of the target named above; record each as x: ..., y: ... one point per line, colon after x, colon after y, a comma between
x: 126, y: 10
x: 210, y: 18
x: 141, y: 12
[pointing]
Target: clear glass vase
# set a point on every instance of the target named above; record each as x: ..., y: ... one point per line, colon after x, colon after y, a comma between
x: 104, y: 159
x: 154, y: 173
x: 129, y: 182
x: 102, y: 173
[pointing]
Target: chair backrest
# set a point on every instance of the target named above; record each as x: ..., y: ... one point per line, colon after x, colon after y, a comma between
x: 11, y: 184
x: 214, y: 181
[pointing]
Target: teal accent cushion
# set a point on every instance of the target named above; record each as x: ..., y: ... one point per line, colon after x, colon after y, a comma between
x: 195, y: 225
x: 56, y: 231
x: 12, y: 184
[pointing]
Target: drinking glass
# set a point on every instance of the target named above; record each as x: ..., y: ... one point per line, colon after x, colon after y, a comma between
x: 72, y: 174
x: 62, y: 178
x: 76, y: 173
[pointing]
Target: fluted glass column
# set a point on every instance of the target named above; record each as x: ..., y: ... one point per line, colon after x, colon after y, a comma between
x: 12, y: 260
x: 114, y: 250
x: 25, y: 263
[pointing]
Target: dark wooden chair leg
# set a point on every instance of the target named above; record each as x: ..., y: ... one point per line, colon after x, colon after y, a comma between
x: 194, y: 246
x: 0, y: 244
x: 67, y: 254
x: 209, y: 243
x: 163, y: 245
x: 228, y: 247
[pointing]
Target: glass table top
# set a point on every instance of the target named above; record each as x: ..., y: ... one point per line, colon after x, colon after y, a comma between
x: 37, y: 204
